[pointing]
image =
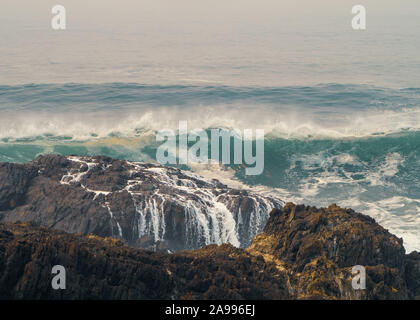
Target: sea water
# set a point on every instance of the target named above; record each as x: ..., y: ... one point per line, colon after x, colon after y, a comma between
x: 340, y: 108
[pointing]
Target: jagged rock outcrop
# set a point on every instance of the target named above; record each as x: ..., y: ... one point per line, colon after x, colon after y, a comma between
x: 145, y: 205
x: 294, y: 252
x: 303, y: 253
x: 412, y: 274
x: 319, y: 247
x: 98, y: 268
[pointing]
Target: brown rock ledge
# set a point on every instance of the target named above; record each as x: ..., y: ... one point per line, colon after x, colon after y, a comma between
x: 303, y: 253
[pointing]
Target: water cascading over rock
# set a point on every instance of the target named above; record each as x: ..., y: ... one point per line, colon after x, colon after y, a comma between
x: 146, y: 205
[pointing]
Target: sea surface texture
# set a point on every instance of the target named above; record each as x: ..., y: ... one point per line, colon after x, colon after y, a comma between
x: 354, y: 145
x: 340, y: 108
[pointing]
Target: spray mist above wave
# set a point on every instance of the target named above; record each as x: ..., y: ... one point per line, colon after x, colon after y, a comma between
x: 355, y: 145
x: 87, y: 112
x: 276, y: 123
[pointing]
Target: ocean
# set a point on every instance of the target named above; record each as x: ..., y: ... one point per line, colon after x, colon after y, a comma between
x: 354, y: 145
x: 340, y: 108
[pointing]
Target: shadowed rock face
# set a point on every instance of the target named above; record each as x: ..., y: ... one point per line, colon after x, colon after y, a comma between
x: 145, y: 205
x: 13, y: 186
x: 98, y: 268
x: 303, y: 253
x: 412, y: 274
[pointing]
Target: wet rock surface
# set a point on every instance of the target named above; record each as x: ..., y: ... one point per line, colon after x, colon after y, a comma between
x: 145, y: 205
x: 108, y: 206
x: 318, y: 267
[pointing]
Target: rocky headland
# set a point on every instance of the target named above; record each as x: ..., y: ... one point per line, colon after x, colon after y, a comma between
x: 127, y: 230
x: 145, y: 205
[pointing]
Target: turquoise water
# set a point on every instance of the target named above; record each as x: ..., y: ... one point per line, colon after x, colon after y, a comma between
x: 354, y: 145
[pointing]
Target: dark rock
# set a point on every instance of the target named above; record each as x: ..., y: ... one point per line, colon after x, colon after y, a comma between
x: 295, y: 252
x: 176, y: 210
x: 319, y: 247
x: 99, y: 268
x: 412, y: 274
x: 14, y: 180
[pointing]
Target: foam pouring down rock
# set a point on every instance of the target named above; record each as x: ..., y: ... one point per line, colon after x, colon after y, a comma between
x: 146, y: 205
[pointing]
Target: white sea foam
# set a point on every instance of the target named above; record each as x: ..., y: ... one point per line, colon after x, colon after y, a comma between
x: 282, y: 123
x: 210, y: 212
x: 329, y: 183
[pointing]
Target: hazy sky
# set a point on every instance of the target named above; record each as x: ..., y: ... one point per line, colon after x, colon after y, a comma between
x: 125, y: 13
x: 264, y: 42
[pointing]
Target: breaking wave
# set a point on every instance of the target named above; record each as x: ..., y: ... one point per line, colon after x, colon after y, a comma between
x: 354, y: 145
